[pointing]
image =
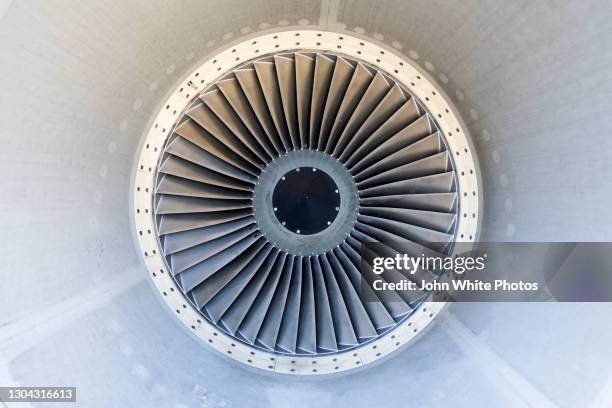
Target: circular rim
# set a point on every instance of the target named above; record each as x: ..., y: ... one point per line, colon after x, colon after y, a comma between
x: 412, y: 77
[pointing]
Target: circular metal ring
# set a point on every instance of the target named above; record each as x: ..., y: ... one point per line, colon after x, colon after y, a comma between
x: 419, y: 84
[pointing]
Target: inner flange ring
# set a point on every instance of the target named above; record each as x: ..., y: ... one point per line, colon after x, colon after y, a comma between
x: 289, y: 241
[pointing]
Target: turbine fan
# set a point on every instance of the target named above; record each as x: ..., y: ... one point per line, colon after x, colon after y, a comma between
x: 274, y: 177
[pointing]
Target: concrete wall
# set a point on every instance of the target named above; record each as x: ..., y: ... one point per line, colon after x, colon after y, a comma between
x: 80, y: 81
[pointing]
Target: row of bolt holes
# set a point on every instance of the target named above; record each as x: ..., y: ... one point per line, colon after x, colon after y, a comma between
x: 397, y: 344
x: 138, y: 212
x: 142, y: 167
x: 146, y: 211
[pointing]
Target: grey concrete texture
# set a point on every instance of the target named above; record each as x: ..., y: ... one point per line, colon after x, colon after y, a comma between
x: 79, y: 84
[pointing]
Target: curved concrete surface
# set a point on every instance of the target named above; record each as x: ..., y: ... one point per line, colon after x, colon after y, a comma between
x: 81, y: 80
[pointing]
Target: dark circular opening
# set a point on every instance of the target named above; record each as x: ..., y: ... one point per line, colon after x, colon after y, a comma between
x: 306, y: 200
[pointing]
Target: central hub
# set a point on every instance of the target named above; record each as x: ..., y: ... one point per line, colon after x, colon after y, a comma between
x: 306, y: 200
x: 306, y: 191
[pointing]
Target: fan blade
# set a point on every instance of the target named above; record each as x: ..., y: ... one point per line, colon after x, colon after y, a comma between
x: 285, y: 72
x: 341, y: 77
x: 304, y: 74
x: 266, y: 73
x: 324, y: 67
x: 376, y: 91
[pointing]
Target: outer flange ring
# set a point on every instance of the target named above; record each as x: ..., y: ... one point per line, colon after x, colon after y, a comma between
x: 413, y: 77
